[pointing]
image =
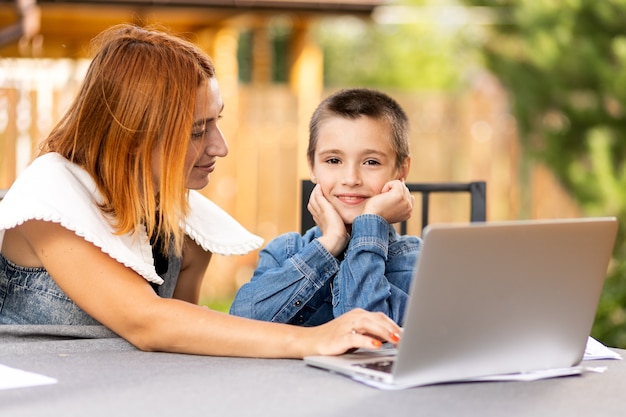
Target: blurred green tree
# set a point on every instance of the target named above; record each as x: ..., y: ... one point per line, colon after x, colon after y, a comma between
x: 564, y: 63
x: 382, y: 53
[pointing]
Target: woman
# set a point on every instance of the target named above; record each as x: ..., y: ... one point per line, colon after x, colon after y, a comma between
x: 102, y: 227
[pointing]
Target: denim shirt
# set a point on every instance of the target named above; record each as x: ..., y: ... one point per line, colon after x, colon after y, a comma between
x: 298, y: 281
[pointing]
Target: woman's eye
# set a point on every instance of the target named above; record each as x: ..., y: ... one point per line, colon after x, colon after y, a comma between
x: 197, y: 135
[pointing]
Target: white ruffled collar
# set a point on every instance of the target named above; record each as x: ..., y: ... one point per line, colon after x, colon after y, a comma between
x: 54, y: 189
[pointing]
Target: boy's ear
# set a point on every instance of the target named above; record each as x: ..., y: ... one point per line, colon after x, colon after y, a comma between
x: 312, y: 173
x: 403, y: 172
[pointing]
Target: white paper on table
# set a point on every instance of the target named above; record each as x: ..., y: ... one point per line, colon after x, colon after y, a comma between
x: 17, y: 378
x: 596, y: 350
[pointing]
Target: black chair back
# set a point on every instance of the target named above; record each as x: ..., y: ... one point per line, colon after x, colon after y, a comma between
x: 476, y: 189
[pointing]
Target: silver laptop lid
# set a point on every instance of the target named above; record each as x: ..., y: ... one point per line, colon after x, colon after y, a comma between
x: 503, y: 297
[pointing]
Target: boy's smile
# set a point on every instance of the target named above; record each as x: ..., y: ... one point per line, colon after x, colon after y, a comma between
x: 354, y: 159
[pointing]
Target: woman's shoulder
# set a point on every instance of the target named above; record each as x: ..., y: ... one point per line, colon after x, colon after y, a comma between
x: 50, y: 188
x: 51, y: 176
x: 50, y: 182
x: 55, y: 190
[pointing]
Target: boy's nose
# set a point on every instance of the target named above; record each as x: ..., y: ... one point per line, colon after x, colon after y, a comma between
x: 351, y: 177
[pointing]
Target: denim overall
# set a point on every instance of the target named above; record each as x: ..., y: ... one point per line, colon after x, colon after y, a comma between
x: 31, y: 296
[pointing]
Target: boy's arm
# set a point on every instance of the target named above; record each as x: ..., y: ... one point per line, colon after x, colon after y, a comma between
x: 372, y: 276
x: 289, y: 272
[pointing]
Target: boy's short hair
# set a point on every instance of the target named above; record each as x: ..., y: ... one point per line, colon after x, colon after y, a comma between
x: 353, y: 103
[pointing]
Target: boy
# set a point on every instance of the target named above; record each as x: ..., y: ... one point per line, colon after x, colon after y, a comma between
x: 358, y: 157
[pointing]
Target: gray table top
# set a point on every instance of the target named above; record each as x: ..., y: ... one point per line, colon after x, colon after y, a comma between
x: 101, y: 375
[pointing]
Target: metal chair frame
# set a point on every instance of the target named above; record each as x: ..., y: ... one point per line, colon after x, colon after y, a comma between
x: 476, y: 189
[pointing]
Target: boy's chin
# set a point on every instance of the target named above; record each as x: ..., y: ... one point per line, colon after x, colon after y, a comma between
x: 348, y: 219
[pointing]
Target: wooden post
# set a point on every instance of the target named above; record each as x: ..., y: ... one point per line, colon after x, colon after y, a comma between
x: 8, y: 137
x: 306, y: 79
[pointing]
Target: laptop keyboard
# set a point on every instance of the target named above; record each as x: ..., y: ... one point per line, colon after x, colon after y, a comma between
x: 382, y: 366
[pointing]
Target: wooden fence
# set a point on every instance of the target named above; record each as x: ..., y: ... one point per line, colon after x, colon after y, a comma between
x: 454, y: 137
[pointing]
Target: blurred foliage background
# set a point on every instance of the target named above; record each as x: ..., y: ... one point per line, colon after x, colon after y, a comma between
x: 564, y: 65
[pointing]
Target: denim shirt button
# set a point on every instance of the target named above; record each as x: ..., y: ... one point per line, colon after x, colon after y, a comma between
x: 298, y: 303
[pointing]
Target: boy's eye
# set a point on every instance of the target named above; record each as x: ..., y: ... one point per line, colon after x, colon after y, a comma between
x: 372, y: 162
x: 332, y: 161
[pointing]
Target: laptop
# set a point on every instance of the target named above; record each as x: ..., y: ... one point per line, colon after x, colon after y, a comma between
x: 490, y: 299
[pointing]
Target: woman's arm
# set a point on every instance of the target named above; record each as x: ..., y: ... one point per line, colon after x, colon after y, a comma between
x: 194, y: 264
x: 124, y: 302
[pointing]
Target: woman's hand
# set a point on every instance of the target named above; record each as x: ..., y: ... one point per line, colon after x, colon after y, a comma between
x: 334, y: 237
x: 355, y: 329
x: 394, y: 203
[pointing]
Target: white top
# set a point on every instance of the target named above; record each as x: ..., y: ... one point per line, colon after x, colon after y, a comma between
x: 57, y: 190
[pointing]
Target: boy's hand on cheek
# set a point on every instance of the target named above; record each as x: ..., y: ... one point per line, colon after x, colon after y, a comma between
x: 334, y: 237
x: 394, y: 203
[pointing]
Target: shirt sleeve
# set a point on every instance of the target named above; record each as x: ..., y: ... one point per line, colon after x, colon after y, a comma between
x: 376, y: 272
x: 290, y: 271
